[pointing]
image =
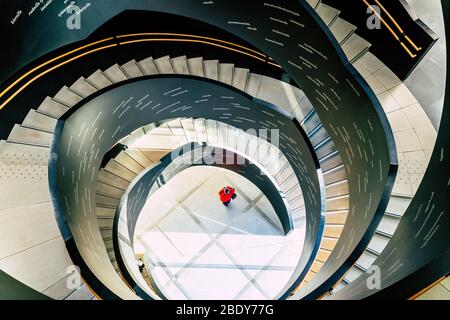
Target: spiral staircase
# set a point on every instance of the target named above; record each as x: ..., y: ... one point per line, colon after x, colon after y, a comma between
x: 328, y: 189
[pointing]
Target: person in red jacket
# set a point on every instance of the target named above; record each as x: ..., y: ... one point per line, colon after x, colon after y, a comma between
x: 227, y: 194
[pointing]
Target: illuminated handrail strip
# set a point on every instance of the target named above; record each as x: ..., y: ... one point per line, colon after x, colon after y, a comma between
x: 424, y: 290
x: 192, y: 36
x: 382, y: 20
x: 412, y: 55
x: 50, y: 61
x: 412, y: 43
x: 397, y: 25
x: 23, y: 87
x: 390, y: 16
x: 50, y: 70
x: 407, y: 50
x: 192, y: 41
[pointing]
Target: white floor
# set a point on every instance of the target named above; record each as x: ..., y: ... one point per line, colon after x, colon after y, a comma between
x: 195, y: 248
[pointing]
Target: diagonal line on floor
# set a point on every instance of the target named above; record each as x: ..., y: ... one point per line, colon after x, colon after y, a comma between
x: 157, y: 261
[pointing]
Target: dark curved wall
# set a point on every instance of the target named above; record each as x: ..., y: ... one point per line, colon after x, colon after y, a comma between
x: 99, y: 122
x: 419, y: 252
x: 308, y: 52
x: 127, y: 22
x: 11, y: 289
x: 354, y: 119
x: 364, y: 139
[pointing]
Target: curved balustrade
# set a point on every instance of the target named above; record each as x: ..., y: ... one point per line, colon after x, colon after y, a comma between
x: 156, y: 176
x: 157, y: 98
x: 300, y: 42
x: 418, y: 253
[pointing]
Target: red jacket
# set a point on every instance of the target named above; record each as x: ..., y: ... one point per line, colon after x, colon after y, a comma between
x: 226, y: 197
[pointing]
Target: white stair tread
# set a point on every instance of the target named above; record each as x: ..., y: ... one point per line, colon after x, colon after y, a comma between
x: 164, y: 65
x: 352, y: 274
x: 253, y: 83
x: 211, y: 131
x: 129, y: 163
x: 297, y: 214
x: 119, y: 170
x: 342, y: 30
x: 67, y: 97
x: 325, y: 149
x: 222, y: 133
x: 333, y: 161
x: 129, y: 140
x: 388, y: 225
x: 297, y: 203
x: 211, y: 69
x: 200, y: 130
x: 366, y: 260
x: 226, y: 73
x: 112, y: 179
x: 24, y: 135
x: 311, y: 123
x: 189, y: 129
x: 233, y: 134
x: 252, y: 147
x: 242, y: 143
x: 82, y: 293
x: 334, y: 175
x: 52, y: 108
x: 289, y: 183
x: 99, y: 80
x: 155, y: 155
x: 115, y: 74
x: 110, y: 191
x: 39, y: 121
x: 107, y: 202
x: 263, y: 150
x: 139, y: 157
x: 180, y: 65
x: 285, y: 174
x: 23, y: 155
x: 83, y: 88
x: 33, y: 183
x: 131, y: 69
x: 313, y: 3
x: 240, y: 76
x: 105, y: 223
x: 294, y: 193
x: 339, y: 287
x: 160, y: 142
x: 105, y: 212
x: 148, y: 66
x: 40, y: 266
x: 337, y: 189
x: 163, y: 130
x: 355, y: 47
x: 16, y: 224
x: 274, y: 161
x: 280, y: 94
x: 303, y: 108
x: 378, y: 243
x: 196, y: 66
x: 327, y: 13
x: 398, y: 205
x: 338, y: 203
